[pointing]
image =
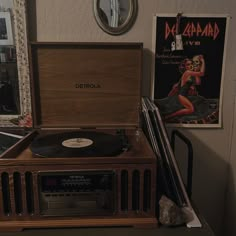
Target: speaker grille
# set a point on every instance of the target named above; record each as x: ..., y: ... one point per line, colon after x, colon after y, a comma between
x: 6, y: 193
x: 16, y: 195
x: 124, y: 190
x: 136, y: 190
x: 29, y: 192
x: 147, y: 190
x: 17, y: 192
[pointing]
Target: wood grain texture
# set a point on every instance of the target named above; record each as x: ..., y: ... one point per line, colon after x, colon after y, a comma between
x: 18, y: 147
x: 138, y: 158
x: 12, y: 226
x: 139, y: 152
x: 130, y: 217
x: 86, y: 85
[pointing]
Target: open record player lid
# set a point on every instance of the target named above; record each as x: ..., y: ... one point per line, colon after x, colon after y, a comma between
x: 86, y: 84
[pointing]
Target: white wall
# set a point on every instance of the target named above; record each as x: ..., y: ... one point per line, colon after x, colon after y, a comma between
x: 73, y: 20
x: 230, y: 216
x: 6, y: 3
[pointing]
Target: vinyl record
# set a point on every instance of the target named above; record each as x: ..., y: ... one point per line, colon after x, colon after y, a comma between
x: 77, y: 144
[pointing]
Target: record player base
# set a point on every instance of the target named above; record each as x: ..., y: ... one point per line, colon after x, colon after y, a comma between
x: 17, y: 226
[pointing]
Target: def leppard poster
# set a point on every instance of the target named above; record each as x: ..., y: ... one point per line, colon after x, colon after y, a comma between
x: 189, y: 54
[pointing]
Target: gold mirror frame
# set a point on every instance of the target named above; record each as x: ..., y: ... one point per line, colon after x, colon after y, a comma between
x: 124, y: 27
x: 20, y: 37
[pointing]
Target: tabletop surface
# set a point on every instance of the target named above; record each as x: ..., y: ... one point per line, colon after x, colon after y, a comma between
x: 117, y: 231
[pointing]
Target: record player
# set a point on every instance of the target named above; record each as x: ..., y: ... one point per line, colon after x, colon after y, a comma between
x: 87, y: 162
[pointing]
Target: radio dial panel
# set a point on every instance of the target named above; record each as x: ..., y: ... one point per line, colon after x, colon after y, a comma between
x: 76, y: 193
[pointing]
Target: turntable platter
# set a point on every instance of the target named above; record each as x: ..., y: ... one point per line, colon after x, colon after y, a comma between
x: 77, y: 144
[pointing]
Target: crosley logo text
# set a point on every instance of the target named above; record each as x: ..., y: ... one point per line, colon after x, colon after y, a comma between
x: 88, y: 86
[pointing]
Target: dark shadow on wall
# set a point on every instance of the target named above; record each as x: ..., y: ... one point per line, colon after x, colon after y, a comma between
x: 31, y: 20
x: 229, y: 227
x: 209, y: 179
x: 147, y: 72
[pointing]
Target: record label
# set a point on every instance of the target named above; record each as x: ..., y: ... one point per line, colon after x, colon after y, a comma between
x: 77, y: 142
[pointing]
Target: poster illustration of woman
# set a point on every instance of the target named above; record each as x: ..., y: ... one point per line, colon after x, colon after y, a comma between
x: 188, y: 83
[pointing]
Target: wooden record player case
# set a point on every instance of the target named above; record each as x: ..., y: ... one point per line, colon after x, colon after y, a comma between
x: 89, y: 86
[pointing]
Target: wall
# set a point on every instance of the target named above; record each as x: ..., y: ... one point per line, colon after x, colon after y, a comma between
x: 73, y: 20
x: 230, y: 216
x: 6, y: 3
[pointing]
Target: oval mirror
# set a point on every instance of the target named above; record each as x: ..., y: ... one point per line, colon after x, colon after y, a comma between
x: 115, y: 16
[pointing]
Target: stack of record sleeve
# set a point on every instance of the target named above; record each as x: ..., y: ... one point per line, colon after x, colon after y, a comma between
x: 169, y: 179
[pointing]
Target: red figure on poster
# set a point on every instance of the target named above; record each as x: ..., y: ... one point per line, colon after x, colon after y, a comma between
x: 193, y: 71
